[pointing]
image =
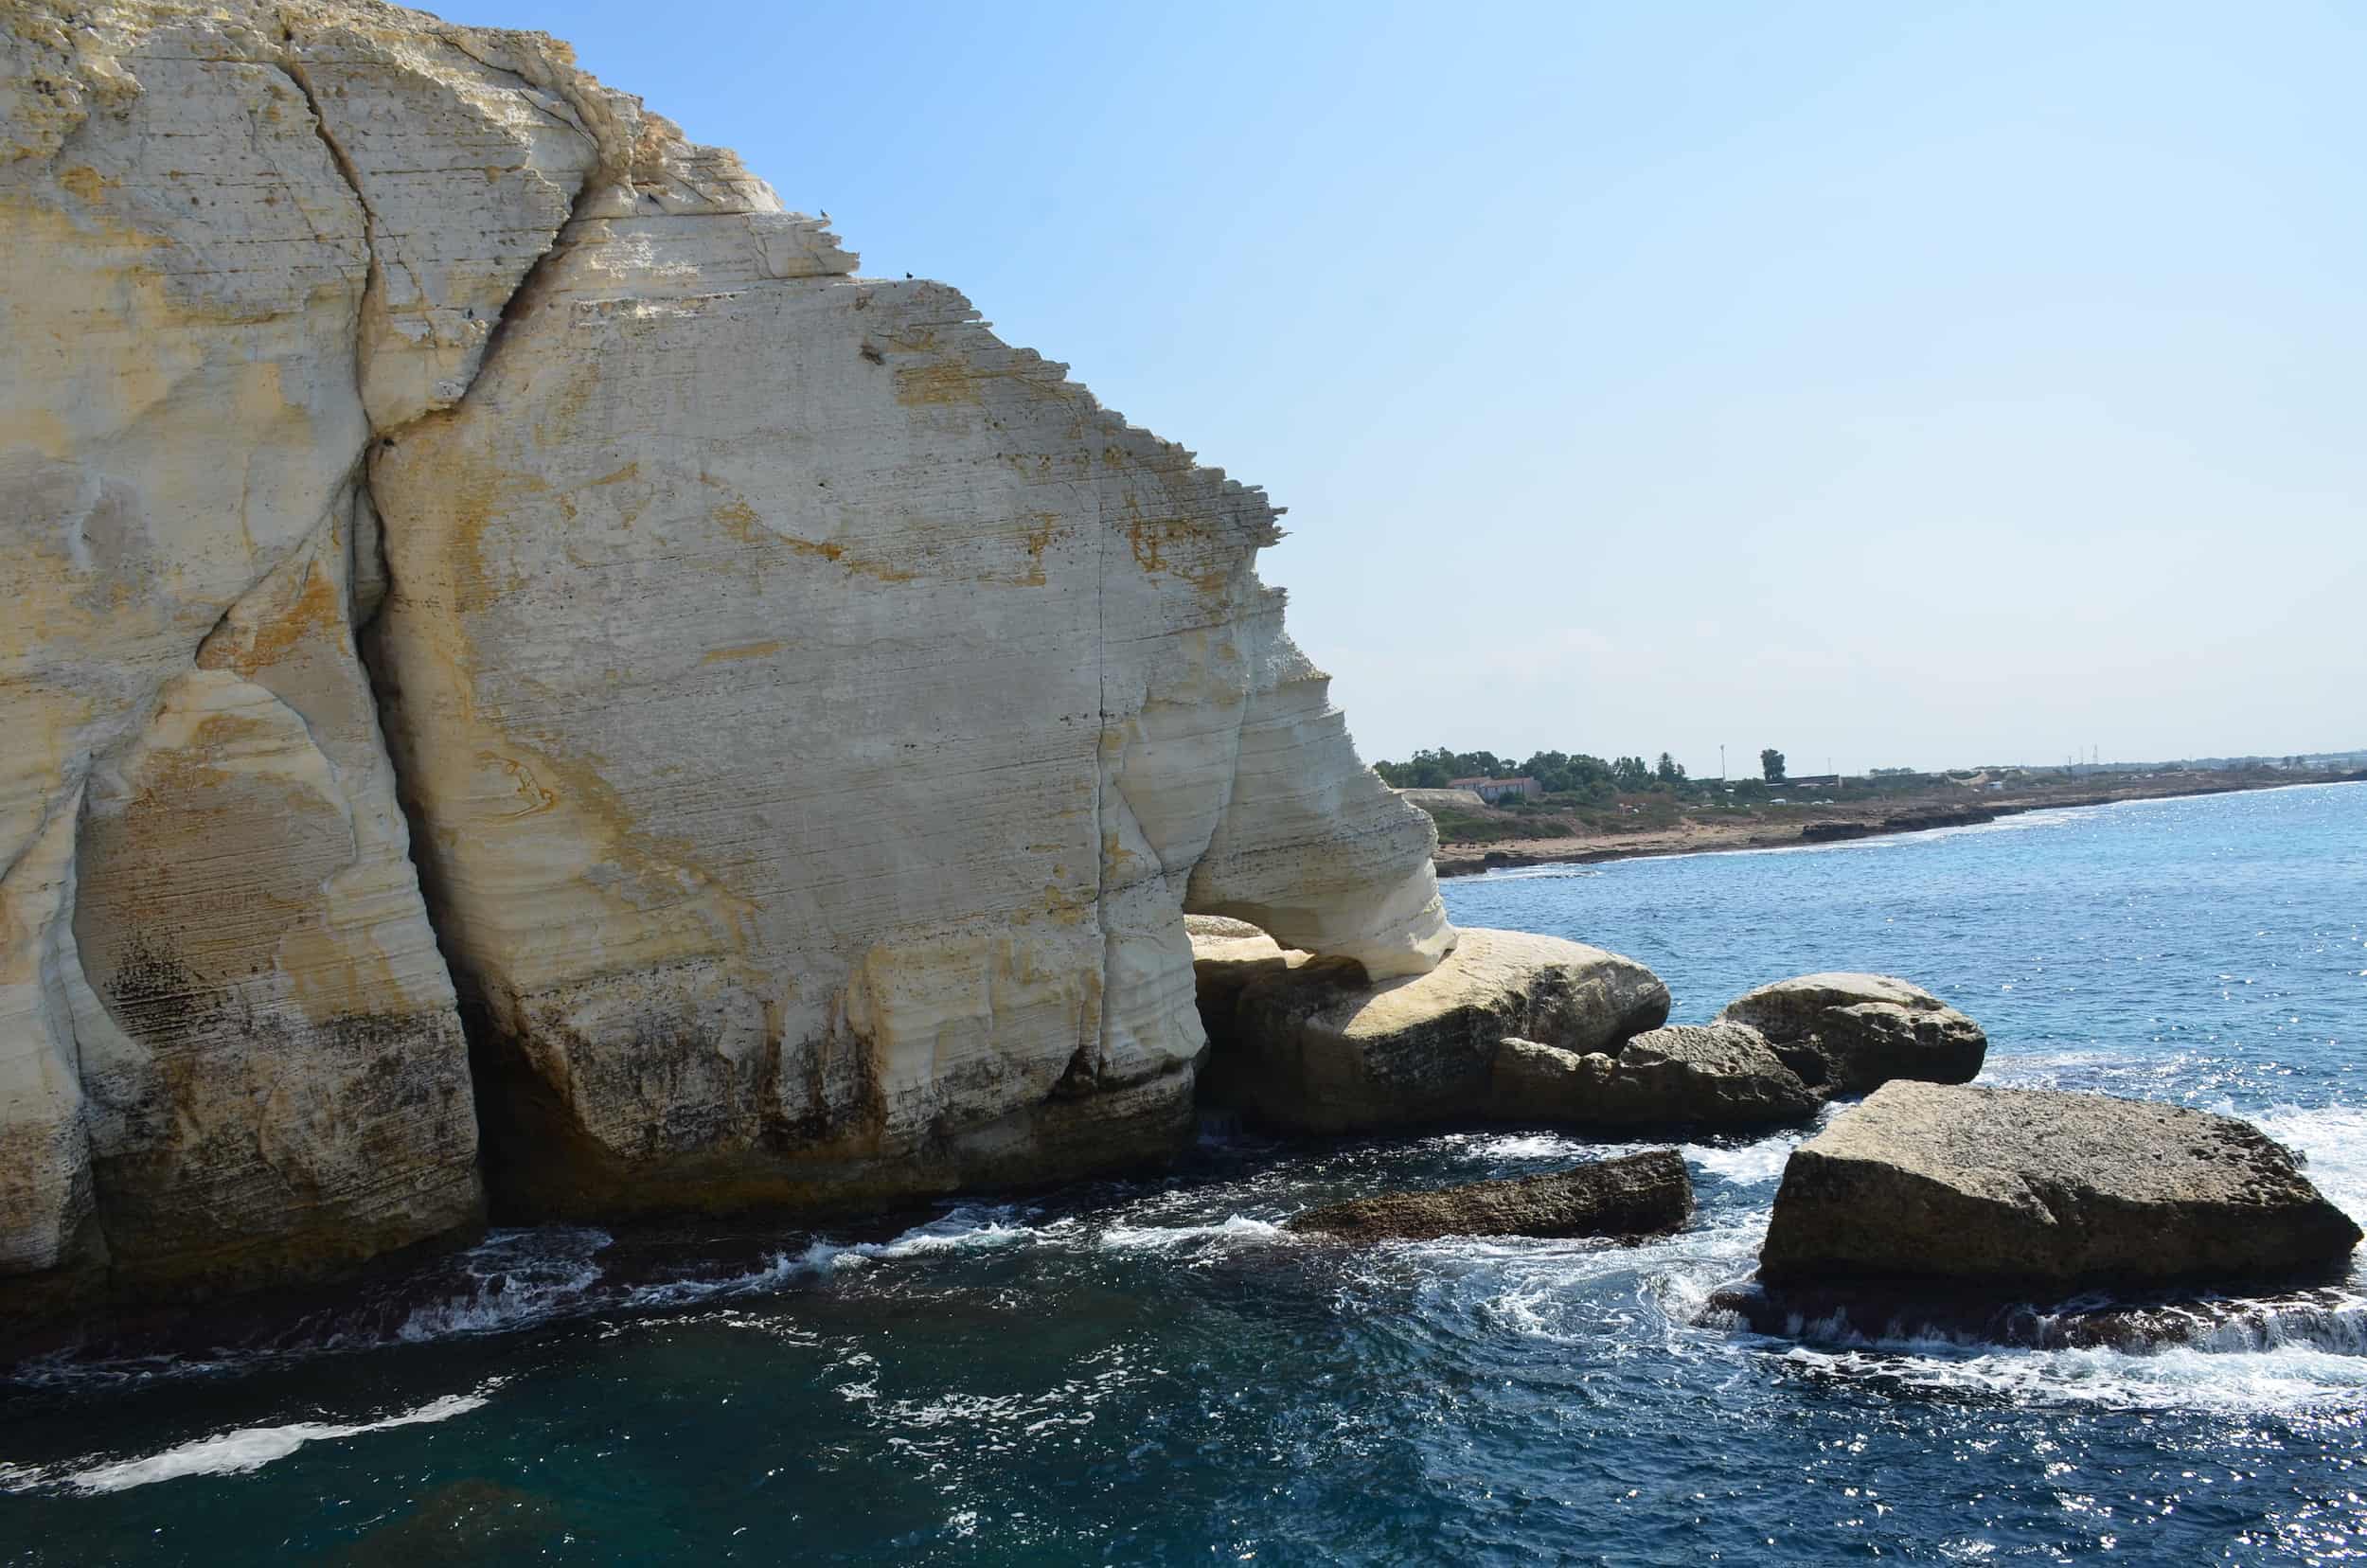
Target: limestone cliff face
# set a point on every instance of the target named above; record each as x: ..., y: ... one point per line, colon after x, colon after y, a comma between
x: 227, y: 1042
x: 813, y: 716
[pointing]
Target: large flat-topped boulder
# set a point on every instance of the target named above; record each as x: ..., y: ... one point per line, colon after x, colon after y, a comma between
x: 1721, y: 1078
x: 2043, y: 1191
x: 1633, y: 1197
x: 1848, y: 1034
x: 1319, y: 1046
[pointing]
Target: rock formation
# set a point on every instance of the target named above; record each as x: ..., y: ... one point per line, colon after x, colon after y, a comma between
x: 811, y: 717
x: 1719, y: 1078
x: 1847, y: 1034
x: 1634, y: 1196
x: 1312, y: 1045
x: 1317, y: 1045
x: 2042, y: 1190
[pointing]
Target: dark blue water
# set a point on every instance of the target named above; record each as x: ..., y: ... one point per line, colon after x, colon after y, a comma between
x: 1150, y: 1373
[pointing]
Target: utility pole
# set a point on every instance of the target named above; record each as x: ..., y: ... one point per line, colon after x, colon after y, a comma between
x: 1721, y: 761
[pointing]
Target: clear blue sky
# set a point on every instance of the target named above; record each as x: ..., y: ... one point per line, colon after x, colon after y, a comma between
x: 1903, y: 384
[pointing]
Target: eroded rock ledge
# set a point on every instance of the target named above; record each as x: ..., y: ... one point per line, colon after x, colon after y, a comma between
x: 809, y: 717
x: 1631, y: 1196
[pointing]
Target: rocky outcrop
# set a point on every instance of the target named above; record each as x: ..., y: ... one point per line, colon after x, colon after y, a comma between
x: 811, y: 716
x: 1847, y: 1034
x: 1633, y: 1197
x: 2040, y: 1190
x: 1316, y: 1045
x: 1721, y: 1078
x: 1312, y: 1045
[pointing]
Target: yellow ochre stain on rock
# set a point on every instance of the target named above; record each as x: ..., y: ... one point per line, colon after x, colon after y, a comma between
x: 750, y: 650
x: 937, y: 384
x: 742, y: 522
x: 85, y: 182
x: 317, y: 607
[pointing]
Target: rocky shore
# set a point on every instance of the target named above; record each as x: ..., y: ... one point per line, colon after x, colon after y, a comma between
x: 1834, y: 823
x: 538, y: 694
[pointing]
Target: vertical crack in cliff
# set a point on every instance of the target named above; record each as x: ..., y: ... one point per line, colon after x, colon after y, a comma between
x: 533, y: 285
x: 384, y: 687
x: 1101, y: 774
x: 374, y: 279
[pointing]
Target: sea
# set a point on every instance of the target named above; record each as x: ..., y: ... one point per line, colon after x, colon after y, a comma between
x: 1151, y: 1371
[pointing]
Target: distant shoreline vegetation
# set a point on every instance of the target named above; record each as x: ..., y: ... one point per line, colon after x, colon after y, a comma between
x: 1581, y: 795
x: 1586, y: 776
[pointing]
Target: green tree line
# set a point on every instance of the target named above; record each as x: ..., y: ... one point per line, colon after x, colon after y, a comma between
x: 1557, y: 773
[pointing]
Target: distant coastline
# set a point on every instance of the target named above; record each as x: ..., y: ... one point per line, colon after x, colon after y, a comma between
x: 1836, y: 824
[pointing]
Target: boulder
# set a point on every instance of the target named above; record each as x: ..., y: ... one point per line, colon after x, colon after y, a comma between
x: 1719, y: 1077
x: 1848, y: 1034
x: 1319, y: 1046
x: 1636, y: 1196
x: 2026, y: 1189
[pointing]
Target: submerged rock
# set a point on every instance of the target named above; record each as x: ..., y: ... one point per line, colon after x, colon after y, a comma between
x: 1637, y: 1195
x: 1316, y: 1045
x: 1848, y: 1034
x: 1721, y: 1077
x: 2041, y: 1190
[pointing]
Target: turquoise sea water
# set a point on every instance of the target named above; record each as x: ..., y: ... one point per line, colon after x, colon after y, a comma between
x: 1148, y: 1372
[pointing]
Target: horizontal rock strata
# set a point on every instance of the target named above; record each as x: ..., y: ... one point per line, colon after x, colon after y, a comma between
x: 1634, y: 1196
x: 809, y: 717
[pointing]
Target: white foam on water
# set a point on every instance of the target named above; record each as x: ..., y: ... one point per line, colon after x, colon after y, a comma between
x: 2337, y: 1327
x: 819, y: 1258
x: 238, y: 1451
x: 1750, y: 1165
x: 519, y: 1277
x: 2188, y: 1378
x: 966, y: 1229
x: 2018, y: 822
x: 2333, y: 1142
x: 1170, y: 1239
x: 970, y: 1228
x: 1618, y: 1299
x: 1528, y: 1146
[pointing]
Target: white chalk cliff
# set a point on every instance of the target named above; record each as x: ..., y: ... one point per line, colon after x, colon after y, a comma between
x: 471, y: 558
